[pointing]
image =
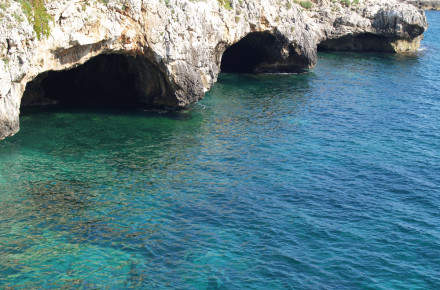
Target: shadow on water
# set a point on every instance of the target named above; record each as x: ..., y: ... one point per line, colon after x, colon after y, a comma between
x: 372, y: 57
x: 175, y: 114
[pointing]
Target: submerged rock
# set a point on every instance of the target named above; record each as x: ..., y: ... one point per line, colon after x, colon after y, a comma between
x: 169, y: 53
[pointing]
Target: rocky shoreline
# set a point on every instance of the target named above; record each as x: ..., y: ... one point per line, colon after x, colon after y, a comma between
x: 169, y: 53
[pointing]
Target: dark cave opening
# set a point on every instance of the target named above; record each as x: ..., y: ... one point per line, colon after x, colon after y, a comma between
x: 264, y: 52
x: 365, y: 42
x: 247, y: 55
x: 105, y: 81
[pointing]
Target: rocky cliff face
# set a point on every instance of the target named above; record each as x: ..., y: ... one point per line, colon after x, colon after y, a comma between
x: 169, y: 52
x: 425, y: 4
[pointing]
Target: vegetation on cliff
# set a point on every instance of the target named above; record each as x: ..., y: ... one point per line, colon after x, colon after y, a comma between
x: 37, y: 15
x: 35, y: 12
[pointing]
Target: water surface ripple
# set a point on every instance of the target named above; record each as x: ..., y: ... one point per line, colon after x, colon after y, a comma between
x: 329, y: 179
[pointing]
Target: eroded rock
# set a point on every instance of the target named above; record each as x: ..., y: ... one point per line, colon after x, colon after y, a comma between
x: 172, y: 50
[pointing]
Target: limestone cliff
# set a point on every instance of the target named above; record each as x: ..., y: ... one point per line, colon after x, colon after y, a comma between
x: 169, y: 52
x: 425, y: 4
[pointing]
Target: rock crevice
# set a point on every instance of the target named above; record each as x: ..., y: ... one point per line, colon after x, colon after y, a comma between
x: 170, y: 54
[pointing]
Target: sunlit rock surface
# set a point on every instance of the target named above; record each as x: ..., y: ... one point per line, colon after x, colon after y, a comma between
x: 174, y: 50
x: 425, y: 4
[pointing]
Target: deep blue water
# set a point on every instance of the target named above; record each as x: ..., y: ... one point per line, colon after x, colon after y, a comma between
x: 329, y: 179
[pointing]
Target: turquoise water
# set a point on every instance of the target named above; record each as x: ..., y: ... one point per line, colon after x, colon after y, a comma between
x: 329, y: 179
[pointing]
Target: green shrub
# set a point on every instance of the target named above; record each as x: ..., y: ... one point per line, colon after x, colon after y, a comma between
x: 37, y: 15
x: 225, y: 4
x: 306, y: 4
x: 346, y: 2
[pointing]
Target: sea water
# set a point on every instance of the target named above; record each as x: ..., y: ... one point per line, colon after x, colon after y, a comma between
x: 327, y: 179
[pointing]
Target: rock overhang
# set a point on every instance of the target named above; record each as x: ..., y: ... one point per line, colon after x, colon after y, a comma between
x: 184, y: 41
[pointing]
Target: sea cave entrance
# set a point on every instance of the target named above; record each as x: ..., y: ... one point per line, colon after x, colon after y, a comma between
x: 105, y: 81
x: 364, y: 42
x: 247, y: 55
x: 263, y: 52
